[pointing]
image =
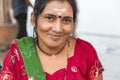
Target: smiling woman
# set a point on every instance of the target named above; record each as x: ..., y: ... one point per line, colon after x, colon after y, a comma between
x: 53, y: 54
x: 50, y: 28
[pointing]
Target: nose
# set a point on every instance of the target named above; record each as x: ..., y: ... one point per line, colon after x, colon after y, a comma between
x: 57, y: 27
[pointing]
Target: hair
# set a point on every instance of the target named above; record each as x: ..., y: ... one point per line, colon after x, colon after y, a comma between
x: 41, y: 4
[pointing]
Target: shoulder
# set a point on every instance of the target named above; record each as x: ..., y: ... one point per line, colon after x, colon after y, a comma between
x: 14, y: 53
x: 85, y: 48
x: 80, y: 44
x: 14, y: 45
x: 12, y: 62
x: 84, y: 44
x: 24, y: 40
x: 80, y: 47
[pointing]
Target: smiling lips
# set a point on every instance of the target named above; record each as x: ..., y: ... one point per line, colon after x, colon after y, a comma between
x: 55, y: 37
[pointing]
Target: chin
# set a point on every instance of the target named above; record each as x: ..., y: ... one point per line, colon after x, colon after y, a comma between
x: 55, y: 43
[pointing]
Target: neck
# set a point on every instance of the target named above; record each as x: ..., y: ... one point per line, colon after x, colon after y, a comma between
x: 50, y: 54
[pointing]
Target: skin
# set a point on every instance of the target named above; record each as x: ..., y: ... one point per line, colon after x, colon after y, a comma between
x: 100, y: 77
x: 60, y: 11
x: 54, y: 25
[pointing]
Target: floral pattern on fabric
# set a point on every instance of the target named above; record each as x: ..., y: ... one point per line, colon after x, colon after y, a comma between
x: 6, y: 74
x: 83, y: 65
x: 95, y: 70
x: 13, y: 68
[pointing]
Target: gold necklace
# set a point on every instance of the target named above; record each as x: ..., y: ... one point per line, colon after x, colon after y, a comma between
x: 67, y: 61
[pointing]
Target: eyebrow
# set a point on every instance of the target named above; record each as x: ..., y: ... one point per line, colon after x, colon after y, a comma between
x: 68, y: 17
x: 50, y: 15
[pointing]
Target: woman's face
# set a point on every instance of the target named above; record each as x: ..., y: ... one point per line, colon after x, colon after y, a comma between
x: 55, y: 23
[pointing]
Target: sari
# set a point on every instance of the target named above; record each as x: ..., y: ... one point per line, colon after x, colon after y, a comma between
x: 22, y: 63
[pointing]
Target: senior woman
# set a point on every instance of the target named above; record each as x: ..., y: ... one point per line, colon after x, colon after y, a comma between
x: 53, y: 54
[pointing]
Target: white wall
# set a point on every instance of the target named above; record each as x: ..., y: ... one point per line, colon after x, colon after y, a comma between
x: 102, y: 17
x: 99, y: 16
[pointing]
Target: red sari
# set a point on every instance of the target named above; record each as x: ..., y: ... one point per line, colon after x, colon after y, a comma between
x: 84, y: 65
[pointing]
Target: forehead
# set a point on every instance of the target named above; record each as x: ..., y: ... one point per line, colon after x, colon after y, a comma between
x: 54, y: 7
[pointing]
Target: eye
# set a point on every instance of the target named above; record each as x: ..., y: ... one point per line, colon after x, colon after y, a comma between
x: 50, y: 18
x: 67, y: 21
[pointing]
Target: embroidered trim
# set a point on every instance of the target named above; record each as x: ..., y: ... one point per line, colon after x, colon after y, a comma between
x: 6, y: 75
x: 95, y: 70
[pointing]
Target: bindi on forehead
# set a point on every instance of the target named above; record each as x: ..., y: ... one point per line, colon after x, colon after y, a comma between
x: 59, y: 16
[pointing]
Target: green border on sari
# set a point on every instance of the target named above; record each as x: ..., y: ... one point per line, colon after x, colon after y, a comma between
x: 31, y: 60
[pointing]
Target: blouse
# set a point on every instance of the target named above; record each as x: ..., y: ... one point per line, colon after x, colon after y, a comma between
x: 83, y: 65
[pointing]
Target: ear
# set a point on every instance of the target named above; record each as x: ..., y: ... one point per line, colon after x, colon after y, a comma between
x: 32, y: 19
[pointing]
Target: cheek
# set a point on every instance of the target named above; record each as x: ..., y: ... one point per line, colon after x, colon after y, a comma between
x: 43, y: 26
x: 68, y: 30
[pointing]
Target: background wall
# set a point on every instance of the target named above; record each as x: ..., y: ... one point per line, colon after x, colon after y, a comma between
x: 99, y: 23
x: 99, y: 16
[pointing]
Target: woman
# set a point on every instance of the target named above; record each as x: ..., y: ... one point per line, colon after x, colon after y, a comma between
x: 54, y: 54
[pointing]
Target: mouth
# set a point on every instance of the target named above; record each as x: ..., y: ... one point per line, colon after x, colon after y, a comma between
x: 55, y: 37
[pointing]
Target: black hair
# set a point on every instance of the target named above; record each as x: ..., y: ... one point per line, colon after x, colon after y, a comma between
x: 40, y: 5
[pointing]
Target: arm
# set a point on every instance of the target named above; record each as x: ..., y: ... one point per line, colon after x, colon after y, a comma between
x: 95, y: 68
x: 100, y: 77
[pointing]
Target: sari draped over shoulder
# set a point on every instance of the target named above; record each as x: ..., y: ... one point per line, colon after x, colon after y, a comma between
x: 22, y: 63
